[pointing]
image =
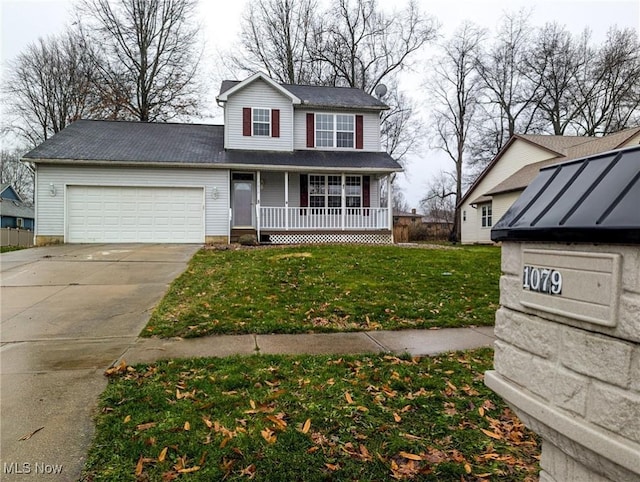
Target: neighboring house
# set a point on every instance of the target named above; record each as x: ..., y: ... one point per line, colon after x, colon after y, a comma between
x: 407, y: 219
x: 292, y: 163
x: 517, y: 164
x: 14, y: 212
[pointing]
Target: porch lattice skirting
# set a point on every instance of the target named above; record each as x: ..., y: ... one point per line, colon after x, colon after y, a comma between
x: 319, y: 238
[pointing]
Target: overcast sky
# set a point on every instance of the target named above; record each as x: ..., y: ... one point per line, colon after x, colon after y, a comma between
x: 23, y: 21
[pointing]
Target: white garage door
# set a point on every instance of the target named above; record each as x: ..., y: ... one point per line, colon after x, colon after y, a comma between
x: 125, y: 214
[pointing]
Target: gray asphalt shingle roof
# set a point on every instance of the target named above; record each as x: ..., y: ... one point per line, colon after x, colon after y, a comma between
x: 325, y: 96
x: 16, y: 209
x: 193, y: 144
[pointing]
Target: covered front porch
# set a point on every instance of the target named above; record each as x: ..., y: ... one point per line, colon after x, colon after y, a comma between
x: 296, y: 207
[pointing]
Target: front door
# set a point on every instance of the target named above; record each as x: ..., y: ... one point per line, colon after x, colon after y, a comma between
x: 242, y: 192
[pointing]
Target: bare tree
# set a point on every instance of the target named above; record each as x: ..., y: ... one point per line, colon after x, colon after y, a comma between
x: 455, y: 90
x: 508, y: 98
x: 149, y: 59
x: 608, y: 90
x: 438, y: 204
x: 19, y: 174
x: 554, y: 61
x: 49, y: 85
x: 275, y: 38
x: 363, y: 47
x: 401, y: 129
x: 399, y: 202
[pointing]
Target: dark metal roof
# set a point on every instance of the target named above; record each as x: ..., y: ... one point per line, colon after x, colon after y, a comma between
x: 594, y: 199
x: 325, y: 96
x: 120, y: 142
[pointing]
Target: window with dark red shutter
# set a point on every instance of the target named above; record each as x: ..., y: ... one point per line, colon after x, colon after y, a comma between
x: 359, y: 132
x: 275, y: 123
x: 310, y: 130
x: 246, y: 121
x: 366, y: 194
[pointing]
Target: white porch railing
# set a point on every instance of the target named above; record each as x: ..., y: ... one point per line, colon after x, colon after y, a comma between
x: 329, y: 219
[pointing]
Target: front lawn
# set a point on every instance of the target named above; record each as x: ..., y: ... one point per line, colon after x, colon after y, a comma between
x: 308, y: 418
x: 330, y: 288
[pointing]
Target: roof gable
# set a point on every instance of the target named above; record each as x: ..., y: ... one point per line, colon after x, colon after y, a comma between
x: 565, y: 148
x: 8, y: 192
x: 234, y: 87
x: 313, y: 96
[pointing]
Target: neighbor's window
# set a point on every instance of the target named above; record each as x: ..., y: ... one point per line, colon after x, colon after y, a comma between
x: 464, y: 215
x: 261, y: 122
x: 486, y: 216
x: 335, y: 130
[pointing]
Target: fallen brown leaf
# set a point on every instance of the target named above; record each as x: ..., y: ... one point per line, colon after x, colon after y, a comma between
x: 29, y: 435
x: 410, y: 456
x: 306, y: 426
x: 163, y: 454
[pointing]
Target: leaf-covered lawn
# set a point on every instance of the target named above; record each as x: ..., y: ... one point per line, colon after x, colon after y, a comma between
x: 271, y: 418
x: 330, y: 288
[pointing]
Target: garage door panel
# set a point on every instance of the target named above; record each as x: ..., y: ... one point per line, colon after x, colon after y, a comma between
x: 134, y: 214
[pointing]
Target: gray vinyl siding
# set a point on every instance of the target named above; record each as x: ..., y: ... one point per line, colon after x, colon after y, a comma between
x: 50, y: 210
x: 261, y: 95
x: 370, y: 130
x: 272, y: 194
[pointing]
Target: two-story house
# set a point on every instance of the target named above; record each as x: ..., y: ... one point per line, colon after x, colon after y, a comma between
x: 292, y: 163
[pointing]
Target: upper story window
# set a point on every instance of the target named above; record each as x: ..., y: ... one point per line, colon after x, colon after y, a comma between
x: 486, y: 216
x: 261, y: 122
x: 335, y: 130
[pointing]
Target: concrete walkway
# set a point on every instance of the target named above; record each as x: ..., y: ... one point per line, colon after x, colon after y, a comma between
x: 414, y: 342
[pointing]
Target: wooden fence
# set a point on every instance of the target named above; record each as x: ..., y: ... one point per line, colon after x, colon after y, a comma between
x: 16, y: 237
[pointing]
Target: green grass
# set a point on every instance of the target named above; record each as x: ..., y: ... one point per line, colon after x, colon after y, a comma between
x: 273, y: 418
x: 8, y: 249
x: 328, y: 289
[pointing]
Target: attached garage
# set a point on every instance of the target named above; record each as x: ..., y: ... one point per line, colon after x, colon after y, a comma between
x: 134, y: 214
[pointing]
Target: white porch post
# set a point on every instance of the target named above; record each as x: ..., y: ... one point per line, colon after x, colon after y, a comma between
x: 286, y: 201
x: 258, y: 194
x: 390, y: 179
x: 343, y: 202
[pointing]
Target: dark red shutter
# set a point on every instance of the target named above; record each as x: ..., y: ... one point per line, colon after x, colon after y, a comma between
x: 275, y: 123
x: 366, y: 194
x: 246, y: 121
x: 311, y: 128
x: 304, y: 193
x: 359, y: 131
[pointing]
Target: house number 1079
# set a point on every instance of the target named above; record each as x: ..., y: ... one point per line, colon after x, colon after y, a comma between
x: 543, y: 280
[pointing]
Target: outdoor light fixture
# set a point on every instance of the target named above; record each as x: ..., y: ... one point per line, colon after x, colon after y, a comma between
x: 214, y: 192
x: 52, y: 189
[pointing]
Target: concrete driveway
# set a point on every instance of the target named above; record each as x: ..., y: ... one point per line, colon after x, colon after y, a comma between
x: 67, y: 312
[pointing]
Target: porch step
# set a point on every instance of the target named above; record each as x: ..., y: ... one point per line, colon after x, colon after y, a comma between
x: 237, y: 233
